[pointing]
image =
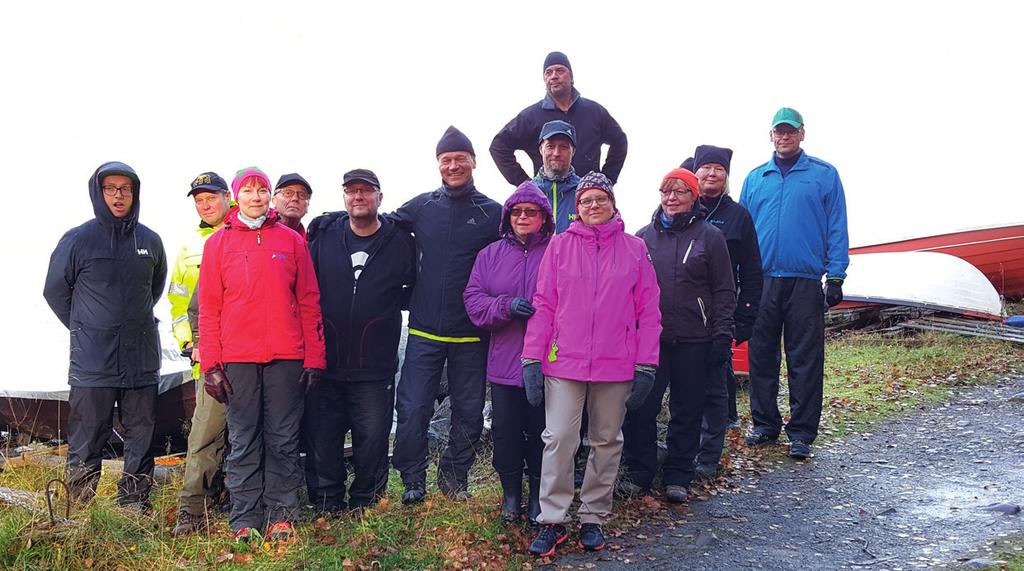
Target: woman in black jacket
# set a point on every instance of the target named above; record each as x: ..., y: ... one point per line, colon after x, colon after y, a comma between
x: 698, y: 297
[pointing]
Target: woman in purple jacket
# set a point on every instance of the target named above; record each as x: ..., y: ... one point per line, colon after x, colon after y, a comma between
x: 498, y: 299
x: 593, y: 344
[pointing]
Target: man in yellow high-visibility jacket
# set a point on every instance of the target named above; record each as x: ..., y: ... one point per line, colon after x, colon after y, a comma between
x: 206, y: 437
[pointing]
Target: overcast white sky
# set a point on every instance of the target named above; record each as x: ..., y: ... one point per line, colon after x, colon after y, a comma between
x: 916, y: 104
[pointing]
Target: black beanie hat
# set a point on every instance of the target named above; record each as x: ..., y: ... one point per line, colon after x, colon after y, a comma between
x: 711, y: 154
x: 556, y: 58
x: 688, y: 164
x: 454, y: 140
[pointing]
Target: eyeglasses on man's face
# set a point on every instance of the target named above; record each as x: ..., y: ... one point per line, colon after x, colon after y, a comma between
x: 112, y: 190
x: 290, y: 194
x: 354, y: 190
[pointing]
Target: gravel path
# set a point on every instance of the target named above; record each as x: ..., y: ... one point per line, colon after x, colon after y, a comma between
x: 911, y: 494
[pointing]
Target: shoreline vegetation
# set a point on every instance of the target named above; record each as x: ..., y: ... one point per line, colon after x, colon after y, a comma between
x: 868, y: 379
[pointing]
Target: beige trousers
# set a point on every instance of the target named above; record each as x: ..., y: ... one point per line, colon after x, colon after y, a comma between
x: 563, y: 408
x: 205, y: 452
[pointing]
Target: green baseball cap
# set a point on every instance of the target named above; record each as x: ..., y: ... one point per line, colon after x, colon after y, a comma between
x: 788, y: 116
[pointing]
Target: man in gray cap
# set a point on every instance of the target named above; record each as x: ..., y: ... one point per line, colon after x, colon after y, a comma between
x: 593, y: 125
x: 557, y: 177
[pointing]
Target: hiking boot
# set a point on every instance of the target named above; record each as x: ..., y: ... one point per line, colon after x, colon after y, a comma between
x: 246, y: 535
x: 188, y: 524
x: 706, y: 471
x: 280, y: 531
x: 455, y: 489
x: 591, y: 537
x: 677, y: 494
x: 758, y: 438
x: 512, y: 497
x: 799, y: 450
x: 625, y: 488
x: 415, y: 493
x: 550, y: 537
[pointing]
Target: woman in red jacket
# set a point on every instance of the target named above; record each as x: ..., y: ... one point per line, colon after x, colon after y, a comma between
x: 261, y: 338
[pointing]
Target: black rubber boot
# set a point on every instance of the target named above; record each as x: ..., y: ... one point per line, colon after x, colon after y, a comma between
x: 533, y: 500
x: 512, y: 497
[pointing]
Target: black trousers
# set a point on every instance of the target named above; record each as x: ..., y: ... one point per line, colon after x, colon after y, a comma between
x: 264, y: 417
x: 416, y: 394
x: 515, y: 428
x: 716, y: 416
x: 90, y: 426
x: 683, y: 369
x: 792, y: 311
x: 366, y: 408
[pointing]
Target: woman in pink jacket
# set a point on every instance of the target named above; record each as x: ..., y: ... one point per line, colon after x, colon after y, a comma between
x: 592, y: 343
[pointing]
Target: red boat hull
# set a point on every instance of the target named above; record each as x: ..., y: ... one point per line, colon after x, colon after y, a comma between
x: 997, y: 252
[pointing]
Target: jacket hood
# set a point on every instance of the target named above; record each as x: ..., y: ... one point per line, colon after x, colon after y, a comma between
x: 527, y: 192
x: 602, y: 232
x: 99, y: 206
x: 232, y: 220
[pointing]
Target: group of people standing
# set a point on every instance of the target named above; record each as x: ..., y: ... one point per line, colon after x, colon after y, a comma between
x: 579, y: 327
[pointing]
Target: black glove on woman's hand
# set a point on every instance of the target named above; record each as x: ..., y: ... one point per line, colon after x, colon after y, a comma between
x: 521, y: 308
x: 217, y: 385
x: 533, y: 382
x: 643, y: 382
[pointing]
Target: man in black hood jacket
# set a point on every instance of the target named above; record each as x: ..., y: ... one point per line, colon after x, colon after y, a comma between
x: 104, y: 278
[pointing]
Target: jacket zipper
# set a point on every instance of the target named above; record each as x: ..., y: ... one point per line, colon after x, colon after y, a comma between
x: 686, y: 256
x: 703, y: 316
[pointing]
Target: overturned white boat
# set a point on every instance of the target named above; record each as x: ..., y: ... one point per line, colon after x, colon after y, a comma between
x: 928, y: 280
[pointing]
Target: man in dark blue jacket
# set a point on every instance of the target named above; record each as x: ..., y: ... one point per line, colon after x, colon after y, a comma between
x: 799, y: 209
x: 104, y: 278
x: 594, y: 127
x: 712, y: 169
x: 451, y: 225
x: 366, y: 266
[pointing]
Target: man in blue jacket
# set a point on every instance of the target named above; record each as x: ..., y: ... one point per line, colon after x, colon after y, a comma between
x: 104, y: 278
x: 799, y: 212
x: 366, y: 266
x: 557, y: 177
x: 451, y: 225
x: 594, y: 127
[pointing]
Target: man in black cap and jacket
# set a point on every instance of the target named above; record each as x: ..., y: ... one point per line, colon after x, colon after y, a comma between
x: 712, y: 170
x: 593, y: 124
x: 104, y: 278
x: 451, y: 225
x: 366, y: 266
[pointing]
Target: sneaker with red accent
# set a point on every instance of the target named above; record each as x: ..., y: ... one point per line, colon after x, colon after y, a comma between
x: 280, y: 531
x: 550, y: 537
x: 591, y: 537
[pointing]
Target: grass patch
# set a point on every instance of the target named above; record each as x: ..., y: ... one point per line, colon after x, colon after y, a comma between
x: 868, y: 378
